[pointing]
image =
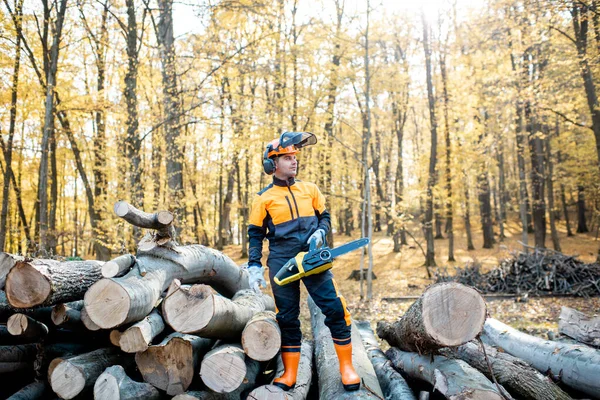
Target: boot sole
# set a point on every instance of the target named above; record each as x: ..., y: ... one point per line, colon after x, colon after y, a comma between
x: 284, y: 386
x: 352, y: 387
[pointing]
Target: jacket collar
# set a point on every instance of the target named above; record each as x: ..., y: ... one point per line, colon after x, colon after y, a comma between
x: 282, y: 182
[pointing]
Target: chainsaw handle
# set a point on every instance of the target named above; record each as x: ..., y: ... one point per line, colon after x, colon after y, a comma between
x: 312, y: 244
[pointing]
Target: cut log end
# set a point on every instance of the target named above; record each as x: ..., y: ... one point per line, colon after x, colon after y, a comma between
x: 261, y: 340
x: 223, y: 372
x: 107, y: 303
x: 481, y: 395
x: 59, y: 314
x: 133, y: 340
x: 110, y: 269
x: 107, y: 387
x: 165, y: 217
x: 67, y: 380
x: 188, y: 310
x: 27, y: 287
x: 453, y: 314
x: 121, y: 208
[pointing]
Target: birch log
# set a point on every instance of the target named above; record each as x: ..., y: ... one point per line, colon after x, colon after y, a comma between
x: 328, y: 370
x: 7, y: 261
x: 25, y: 326
x: 576, y: 366
x: 199, y: 311
x: 137, y: 337
x: 455, y: 379
x: 261, y: 337
x: 172, y: 364
x: 225, y: 368
x: 520, y: 379
x: 447, y: 314
x: 118, y: 266
x: 580, y: 327
x: 114, y: 384
x: 49, y: 282
x: 115, y: 301
x: 70, y: 377
x: 392, y: 383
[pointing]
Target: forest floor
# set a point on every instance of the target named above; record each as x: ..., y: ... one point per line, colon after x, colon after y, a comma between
x: 403, y: 274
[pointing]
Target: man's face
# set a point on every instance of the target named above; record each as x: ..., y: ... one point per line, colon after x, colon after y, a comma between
x: 287, y: 166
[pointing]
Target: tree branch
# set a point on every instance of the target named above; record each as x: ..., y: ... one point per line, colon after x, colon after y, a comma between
x: 563, y: 116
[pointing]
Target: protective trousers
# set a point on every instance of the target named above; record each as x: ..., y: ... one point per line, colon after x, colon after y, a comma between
x: 323, y: 291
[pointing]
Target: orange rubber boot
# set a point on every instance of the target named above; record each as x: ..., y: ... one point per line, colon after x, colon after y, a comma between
x: 290, y: 364
x: 350, y: 378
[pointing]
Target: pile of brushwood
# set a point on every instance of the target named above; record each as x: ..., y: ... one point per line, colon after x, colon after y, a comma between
x: 539, y: 272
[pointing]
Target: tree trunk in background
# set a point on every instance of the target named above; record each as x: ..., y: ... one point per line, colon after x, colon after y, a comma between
x: 172, y: 110
x: 537, y: 177
x: 8, y: 148
x: 376, y: 168
x: 485, y: 209
x: 52, y: 238
x: 468, y: 218
x: 581, y: 224
x: 523, y: 196
x: 48, y: 129
x: 428, y: 228
x: 550, y: 191
x: 449, y: 222
x: 502, y: 196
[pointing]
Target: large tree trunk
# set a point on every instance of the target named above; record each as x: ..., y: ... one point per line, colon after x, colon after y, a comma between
x: 172, y: 110
x: 261, y: 337
x: 392, y: 383
x: 432, y: 179
x: 199, y: 311
x: 49, y: 282
x: 454, y: 379
x: 447, y: 314
x: 72, y: 376
x: 225, y: 368
x: 114, y: 383
x: 576, y: 366
x: 580, y: 327
x: 327, y: 364
x: 115, y: 301
x: 520, y: 379
x: 172, y: 364
x: 303, y: 379
x: 137, y: 338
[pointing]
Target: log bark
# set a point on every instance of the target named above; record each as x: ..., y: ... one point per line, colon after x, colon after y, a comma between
x: 225, y: 368
x: 25, y: 326
x: 47, y: 353
x: 68, y: 315
x: 7, y: 261
x: 114, y: 384
x: 115, y: 301
x: 576, y: 366
x: 328, y: 371
x: 138, y: 337
x: 197, y: 310
x: 261, y: 338
x: 70, y: 377
x: 118, y: 266
x: 269, y: 392
x: 159, y: 221
x: 454, y: 379
x: 33, y: 391
x: 49, y: 282
x: 392, y: 383
x: 520, y: 379
x: 172, y: 364
x: 42, y: 314
x: 16, y: 358
x: 580, y: 327
x: 447, y: 314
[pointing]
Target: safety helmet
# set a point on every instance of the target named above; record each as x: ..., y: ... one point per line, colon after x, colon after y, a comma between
x: 287, y: 143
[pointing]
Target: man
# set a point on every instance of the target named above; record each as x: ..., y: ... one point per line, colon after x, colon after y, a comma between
x: 291, y: 213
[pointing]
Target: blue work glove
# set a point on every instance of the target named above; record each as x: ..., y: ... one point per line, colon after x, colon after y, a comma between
x: 318, y: 236
x: 256, y: 278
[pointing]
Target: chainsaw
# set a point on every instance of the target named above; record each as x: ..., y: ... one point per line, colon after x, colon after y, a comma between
x: 315, y: 261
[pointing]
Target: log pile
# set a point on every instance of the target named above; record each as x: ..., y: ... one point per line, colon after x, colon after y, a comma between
x: 179, y: 322
x: 537, y: 273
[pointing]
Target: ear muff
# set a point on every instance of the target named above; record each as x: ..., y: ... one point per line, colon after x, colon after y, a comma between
x: 268, y: 164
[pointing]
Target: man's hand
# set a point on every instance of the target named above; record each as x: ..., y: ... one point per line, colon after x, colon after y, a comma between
x: 256, y: 278
x: 318, y: 236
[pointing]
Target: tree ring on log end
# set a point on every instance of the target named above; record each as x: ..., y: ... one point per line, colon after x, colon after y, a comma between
x: 107, y: 303
x: 67, y: 380
x: 27, y: 287
x: 106, y: 387
x: 223, y: 372
x: 453, y: 314
x: 266, y: 340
